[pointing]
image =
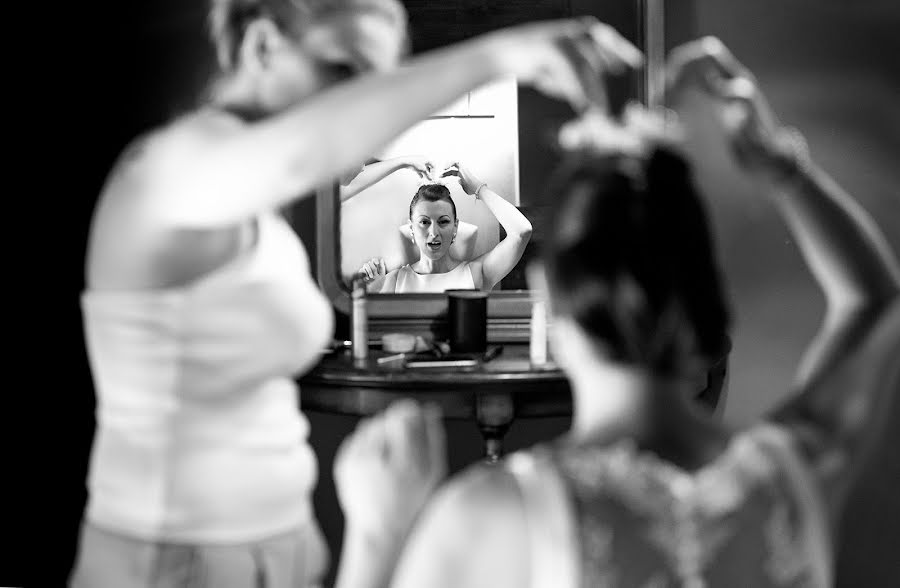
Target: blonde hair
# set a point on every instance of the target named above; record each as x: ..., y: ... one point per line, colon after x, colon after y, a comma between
x: 228, y: 19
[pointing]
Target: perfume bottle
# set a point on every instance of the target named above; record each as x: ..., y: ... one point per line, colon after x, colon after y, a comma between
x: 359, y: 320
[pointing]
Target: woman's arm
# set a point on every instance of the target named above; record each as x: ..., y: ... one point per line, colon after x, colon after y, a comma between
x: 204, y: 178
x: 375, y: 172
x: 499, y: 261
x: 471, y: 534
x: 384, y: 474
x: 849, y: 373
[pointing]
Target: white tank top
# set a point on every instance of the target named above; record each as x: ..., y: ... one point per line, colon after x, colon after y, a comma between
x: 199, y: 432
x: 459, y: 278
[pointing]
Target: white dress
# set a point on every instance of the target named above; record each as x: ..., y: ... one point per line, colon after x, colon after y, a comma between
x: 616, y: 516
x: 459, y: 278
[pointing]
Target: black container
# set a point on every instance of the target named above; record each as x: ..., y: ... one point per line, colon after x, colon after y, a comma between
x: 467, y: 321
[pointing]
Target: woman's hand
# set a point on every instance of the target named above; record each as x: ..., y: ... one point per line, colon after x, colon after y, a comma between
x: 468, y: 181
x: 386, y: 470
x: 373, y: 269
x: 760, y: 143
x: 421, y: 165
x: 565, y: 59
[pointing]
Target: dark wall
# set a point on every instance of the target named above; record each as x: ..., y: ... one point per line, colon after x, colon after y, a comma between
x: 832, y: 69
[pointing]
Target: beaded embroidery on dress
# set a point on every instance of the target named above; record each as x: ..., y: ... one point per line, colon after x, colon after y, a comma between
x: 741, y: 520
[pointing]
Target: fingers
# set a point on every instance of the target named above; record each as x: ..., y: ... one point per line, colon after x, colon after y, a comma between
x: 366, y: 271
x: 617, y: 51
x: 373, y: 268
x: 703, y: 63
x: 586, y: 67
x: 452, y: 170
x: 597, y: 50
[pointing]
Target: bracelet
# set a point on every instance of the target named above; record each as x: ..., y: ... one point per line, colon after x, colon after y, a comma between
x: 483, y: 184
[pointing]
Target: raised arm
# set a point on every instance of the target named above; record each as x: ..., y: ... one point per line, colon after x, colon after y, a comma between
x: 214, y: 179
x: 499, y: 261
x: 374, y: 172
x: 850, y: 371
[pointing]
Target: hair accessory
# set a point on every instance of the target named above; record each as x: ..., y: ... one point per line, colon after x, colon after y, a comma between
x: 637, y: 134
x: 424, y: 181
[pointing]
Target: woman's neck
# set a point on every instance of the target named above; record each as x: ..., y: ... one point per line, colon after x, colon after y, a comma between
x: 435, y: 266
x: 614, y: 402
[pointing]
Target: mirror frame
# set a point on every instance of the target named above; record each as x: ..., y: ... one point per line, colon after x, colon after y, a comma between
x: 509, y: 311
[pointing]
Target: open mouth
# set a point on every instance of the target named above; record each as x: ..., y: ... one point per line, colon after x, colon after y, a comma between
x: 434, y: 245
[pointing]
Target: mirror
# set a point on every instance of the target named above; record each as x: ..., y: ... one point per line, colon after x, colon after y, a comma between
x: 503, y: 134
x: 480, y: 130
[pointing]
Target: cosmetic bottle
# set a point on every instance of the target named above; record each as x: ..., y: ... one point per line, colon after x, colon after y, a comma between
x: 538, y: 342
x: 359, y: 320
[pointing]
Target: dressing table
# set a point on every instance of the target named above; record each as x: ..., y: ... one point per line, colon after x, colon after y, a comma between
x: 493, y: 394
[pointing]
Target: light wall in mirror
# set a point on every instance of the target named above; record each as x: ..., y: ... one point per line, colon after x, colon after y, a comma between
x: 481, y: 131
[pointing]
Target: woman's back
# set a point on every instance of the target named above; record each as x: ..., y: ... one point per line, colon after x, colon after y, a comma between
x: 751, y: 517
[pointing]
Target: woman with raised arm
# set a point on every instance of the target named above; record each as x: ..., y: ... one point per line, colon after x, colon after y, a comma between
x: 434, y: 226
x: 199, y: 309
x: 373, y: 172
x: 645, y: 489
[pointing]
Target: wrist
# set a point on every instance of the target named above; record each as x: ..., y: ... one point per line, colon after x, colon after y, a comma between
x: 477, y: 192
x: 383, y: 542
x: 787, y: 159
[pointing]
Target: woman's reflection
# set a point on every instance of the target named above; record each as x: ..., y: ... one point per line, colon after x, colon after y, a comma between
x: 434, y: 228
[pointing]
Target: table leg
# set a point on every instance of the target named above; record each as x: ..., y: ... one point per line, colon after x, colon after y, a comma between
x: 494, y: 414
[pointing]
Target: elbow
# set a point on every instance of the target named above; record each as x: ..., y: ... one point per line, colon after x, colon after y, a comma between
x: 524, y: 233
x: 874, y: 300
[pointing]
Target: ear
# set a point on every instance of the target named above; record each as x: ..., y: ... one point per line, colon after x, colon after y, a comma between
x: 260, y: 41
x: 406, y: 231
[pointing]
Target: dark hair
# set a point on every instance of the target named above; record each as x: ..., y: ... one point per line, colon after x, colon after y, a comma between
x: 630, y: 259
x: 432, y: 193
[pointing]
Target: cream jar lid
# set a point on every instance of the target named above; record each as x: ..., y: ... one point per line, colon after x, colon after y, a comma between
x: 398, y: 342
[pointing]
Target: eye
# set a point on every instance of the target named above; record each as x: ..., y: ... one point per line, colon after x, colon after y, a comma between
x: 444, y: 223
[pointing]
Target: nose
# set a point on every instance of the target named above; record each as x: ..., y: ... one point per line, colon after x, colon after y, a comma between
x: 432, y: 232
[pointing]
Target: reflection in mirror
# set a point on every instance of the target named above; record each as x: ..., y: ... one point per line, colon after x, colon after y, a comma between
x: 450, y: 238
x: 365, y: 214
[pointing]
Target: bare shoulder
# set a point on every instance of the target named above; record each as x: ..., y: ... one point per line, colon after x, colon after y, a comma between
x: 472, y: 533
x: 172, y: 144
x: 150, y: 163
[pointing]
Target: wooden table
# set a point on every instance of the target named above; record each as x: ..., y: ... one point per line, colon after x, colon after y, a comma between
x: 492, y: 393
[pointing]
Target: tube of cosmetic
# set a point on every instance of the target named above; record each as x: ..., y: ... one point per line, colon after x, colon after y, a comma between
x: 359, y: 320
x: 538, y: 343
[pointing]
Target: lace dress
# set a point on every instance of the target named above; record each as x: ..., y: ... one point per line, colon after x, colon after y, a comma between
x: 614, y: 516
